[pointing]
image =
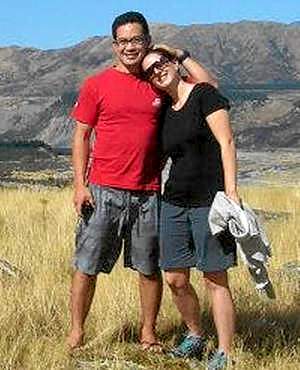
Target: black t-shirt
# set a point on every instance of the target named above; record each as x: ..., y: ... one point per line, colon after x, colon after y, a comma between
x: 196, y: 172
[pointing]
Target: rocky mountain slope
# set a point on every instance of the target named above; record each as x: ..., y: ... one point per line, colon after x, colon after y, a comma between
x: 257, y: 64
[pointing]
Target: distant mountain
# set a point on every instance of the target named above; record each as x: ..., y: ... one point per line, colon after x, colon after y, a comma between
x: 257, y: 63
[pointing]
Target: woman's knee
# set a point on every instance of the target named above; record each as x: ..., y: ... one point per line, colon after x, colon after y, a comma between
x: 216, y: 280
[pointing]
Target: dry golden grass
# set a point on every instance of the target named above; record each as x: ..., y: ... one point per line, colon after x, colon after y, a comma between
x: 36, y: 235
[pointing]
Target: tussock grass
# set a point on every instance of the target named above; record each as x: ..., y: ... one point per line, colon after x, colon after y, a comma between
x: 36, y: 235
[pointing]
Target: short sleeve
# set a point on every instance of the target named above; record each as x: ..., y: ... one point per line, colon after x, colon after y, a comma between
x: 85, y: 109
x: 211, y: 100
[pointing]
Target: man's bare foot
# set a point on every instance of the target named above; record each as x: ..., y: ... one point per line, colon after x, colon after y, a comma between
x: 148, y: 340
x: 74, y: 340
x: 155, y: 347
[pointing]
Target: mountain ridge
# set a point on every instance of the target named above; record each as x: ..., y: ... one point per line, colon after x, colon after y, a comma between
x: 35, y: 83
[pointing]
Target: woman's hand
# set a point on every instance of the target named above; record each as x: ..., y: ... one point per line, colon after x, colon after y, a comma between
x: 197, y: 73
x: 174, y: 52
x: 233, y: 195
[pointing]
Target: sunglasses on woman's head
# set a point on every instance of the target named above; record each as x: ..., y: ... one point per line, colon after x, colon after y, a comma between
x: 159, y: 64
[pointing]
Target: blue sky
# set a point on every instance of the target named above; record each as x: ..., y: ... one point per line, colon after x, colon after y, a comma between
x: 48, y: 24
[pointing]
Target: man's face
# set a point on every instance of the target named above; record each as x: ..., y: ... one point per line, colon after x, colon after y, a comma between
x: 131, y: 44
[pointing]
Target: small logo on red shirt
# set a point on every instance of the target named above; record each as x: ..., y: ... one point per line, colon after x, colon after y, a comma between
x: 156, y: 102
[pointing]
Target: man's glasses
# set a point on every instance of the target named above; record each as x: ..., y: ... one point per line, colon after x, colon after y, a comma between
x: 159, y: 64
x: 135, y: 41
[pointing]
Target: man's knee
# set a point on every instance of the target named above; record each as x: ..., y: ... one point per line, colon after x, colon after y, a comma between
x: 82, y: 276
x: 177, y: 281
x: 156, y: 276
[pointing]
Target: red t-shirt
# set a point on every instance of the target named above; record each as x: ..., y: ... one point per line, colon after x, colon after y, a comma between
x: 123, y: 111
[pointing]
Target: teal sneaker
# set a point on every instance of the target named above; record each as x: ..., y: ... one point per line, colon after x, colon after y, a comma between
x: 218, y: 360
x: 191, y: 346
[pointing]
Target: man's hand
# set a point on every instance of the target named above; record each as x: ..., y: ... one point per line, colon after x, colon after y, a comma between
x: 82, y: 195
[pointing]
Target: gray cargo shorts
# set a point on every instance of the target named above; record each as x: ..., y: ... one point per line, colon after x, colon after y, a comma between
x: 120, y: 218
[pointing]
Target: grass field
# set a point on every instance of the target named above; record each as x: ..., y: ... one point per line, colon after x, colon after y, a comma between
x: 36, y: 235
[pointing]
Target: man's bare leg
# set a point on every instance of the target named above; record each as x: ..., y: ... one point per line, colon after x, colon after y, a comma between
x: 222, y: 307
x: 150, y: 298
x: 82, y: 293
x: 185, y: 298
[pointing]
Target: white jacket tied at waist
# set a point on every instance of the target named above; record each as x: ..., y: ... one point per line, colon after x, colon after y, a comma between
x: 250, y: 237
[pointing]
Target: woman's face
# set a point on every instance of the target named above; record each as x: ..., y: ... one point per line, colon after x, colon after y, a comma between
x: 159, y: 70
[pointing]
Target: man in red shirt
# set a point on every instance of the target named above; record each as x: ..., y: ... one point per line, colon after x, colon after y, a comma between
x: 120, y: 204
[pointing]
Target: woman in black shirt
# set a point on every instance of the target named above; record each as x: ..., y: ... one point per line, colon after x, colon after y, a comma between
x: 196, y: 134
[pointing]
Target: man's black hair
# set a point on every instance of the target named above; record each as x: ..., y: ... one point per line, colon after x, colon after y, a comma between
x: 130, y: 17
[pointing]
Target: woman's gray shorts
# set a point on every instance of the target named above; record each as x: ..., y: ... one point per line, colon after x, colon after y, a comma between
x: 186, y: 241
x: 119, y: 218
